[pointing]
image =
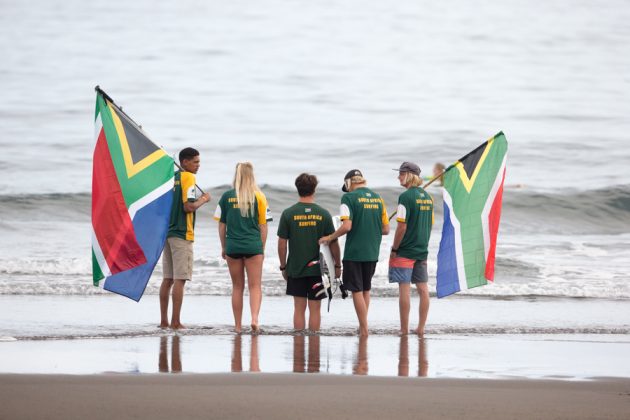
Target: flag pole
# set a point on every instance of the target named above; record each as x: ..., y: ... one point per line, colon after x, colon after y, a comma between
x: 98, y: 89
x: 424, y: 186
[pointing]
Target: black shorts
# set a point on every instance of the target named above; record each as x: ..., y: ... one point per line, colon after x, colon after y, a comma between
x: 357, y: 275
x: 241, y: 256
x: 306, y: 287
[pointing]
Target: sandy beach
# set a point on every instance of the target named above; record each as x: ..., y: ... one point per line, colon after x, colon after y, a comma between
x: 296, y: 396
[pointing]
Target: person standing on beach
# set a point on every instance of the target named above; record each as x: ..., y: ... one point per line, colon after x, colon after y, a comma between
x: 408, y: 258
x: 243, y: 214
x: 364, y: 218
x: 301, y: 226
x: 177, y: 257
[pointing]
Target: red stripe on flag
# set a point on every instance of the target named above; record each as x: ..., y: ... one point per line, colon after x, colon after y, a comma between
x: 493, y: 225
x: 110, y: 218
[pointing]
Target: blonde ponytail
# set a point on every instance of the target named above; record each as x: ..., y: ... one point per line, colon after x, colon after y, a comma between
x: 245, y: 186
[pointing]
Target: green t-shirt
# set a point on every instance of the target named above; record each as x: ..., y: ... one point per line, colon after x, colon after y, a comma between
x: 242, y: 233
x: 182, y: 224
x: 368, y: 214
x: 303, y: 224
x: 415, y: 208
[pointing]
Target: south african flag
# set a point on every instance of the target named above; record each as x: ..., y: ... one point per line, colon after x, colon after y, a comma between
x: 132, y: 184
x: 473, y: 192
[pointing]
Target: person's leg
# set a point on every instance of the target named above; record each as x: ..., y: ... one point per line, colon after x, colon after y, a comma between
x: 361, y: 310
x: 253, y: 266
x: 237, y: 273
x: 404, y: 306
x: 423, y: 291
x: 167, y: 283
x: 299, y: 308
x: 165, y: 292
x: 178, y: 298
x: 366, y: 299
x: 353, y: 279
x: 314, y: 314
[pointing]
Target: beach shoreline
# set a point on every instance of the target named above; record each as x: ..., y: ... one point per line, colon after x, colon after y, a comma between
x: 294, y: 396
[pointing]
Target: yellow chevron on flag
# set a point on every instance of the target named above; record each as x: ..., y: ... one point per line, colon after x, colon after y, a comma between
x: 133, y: 168
x: 469, y: 182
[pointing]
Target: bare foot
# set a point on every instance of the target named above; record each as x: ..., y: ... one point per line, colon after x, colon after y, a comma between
x: 419, y: 331
x: 255, y: 328
x: 178, y: 326
x: 237, y: 329
x: 163, y: 325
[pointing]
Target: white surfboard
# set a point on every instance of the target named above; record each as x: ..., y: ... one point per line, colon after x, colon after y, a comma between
x: 327, y: 266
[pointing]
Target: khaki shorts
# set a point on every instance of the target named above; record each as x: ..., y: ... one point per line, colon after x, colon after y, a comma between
x: 177, y: 259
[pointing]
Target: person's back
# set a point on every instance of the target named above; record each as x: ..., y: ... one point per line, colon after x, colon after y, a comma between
x: 242, y: 232
x: 415, y: 242
x: 367, y: 211
x: 364, y: 221
x: 303, y: 224
x: 182, y: 224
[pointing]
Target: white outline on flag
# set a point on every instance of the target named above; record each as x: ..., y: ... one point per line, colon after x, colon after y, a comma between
x: 485, y: 213
x: 461, y: 272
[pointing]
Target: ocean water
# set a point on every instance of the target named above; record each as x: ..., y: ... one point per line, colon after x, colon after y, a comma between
x: 325, y: 87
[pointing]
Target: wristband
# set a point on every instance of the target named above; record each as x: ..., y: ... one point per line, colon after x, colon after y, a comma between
x: 337, y: 266
x: 283, y: 268
x: 394, y: 250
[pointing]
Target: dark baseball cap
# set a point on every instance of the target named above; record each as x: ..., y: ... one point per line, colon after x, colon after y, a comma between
x: 350, y: 174
x: 409, y: 167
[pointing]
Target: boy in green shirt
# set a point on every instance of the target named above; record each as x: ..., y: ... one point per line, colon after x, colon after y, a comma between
x: 408, y: 258
x: 301, y: 226
x: 364, y: 220
x: 177, y: 257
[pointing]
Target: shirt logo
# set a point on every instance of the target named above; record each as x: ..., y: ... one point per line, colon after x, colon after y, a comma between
x: 307, y: 210
x: 368, y: 195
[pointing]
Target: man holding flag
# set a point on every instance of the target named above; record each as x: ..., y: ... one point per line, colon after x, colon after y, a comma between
x: 177, y: 258
x: 408, y: 258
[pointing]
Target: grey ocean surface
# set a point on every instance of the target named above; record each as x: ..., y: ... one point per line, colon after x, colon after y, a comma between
x: 325, y: 87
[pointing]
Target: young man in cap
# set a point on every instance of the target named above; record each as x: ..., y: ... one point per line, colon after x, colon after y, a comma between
x: 364, y: 218
x: 408, y: 258
x: 177, y: 257
x: 301, y: 226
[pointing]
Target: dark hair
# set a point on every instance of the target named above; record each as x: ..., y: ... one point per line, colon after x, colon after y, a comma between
x: 187, y: 154
x: 305, y: 184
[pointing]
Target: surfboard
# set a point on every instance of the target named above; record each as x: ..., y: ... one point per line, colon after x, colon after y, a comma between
x: 327, y: 266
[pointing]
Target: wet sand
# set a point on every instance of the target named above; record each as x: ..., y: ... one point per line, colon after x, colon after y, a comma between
x: 295, y: 396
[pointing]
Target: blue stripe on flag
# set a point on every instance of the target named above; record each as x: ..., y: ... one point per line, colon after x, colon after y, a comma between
x: 151, y: 226
x: 447, y: 276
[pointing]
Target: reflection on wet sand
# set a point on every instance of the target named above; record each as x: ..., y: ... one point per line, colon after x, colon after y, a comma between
x: 176, y: 361
x: 423, y: 361
x: 307, y: 355
x: 300, y: 364
x: 237, y: 354
x: 403, y: 357
x: 361, y: 363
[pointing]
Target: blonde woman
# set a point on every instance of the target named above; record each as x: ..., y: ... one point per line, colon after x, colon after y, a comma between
x: 243, y: 214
